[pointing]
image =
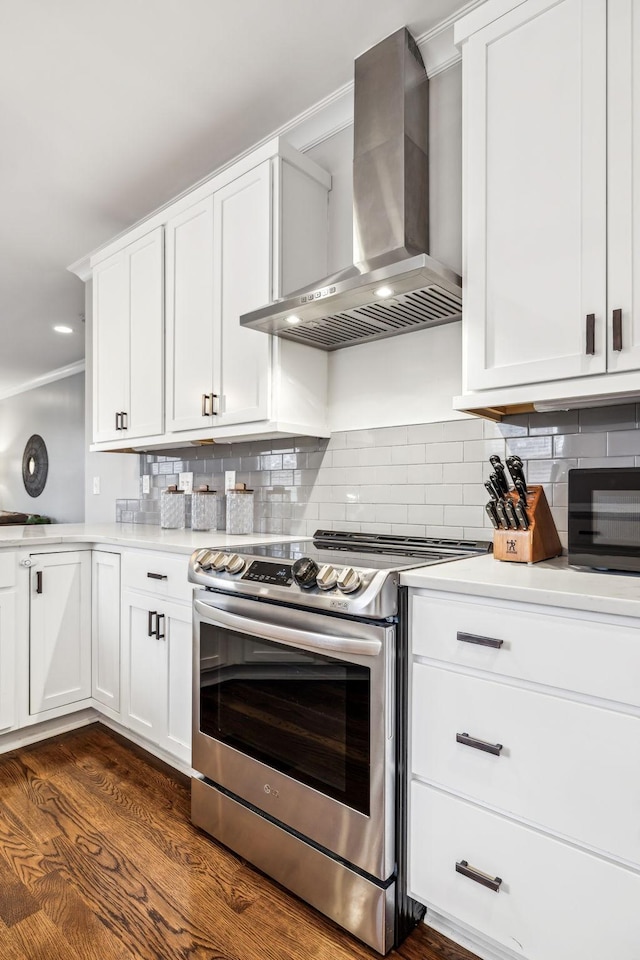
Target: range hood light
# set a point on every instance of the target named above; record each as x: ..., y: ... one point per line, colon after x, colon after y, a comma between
x: 384, y: 293
x: 62, y: 328
x: 293, y: 319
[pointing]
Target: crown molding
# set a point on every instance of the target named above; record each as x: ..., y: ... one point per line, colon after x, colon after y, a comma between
x: 61, y: 373
x: 81, y: 268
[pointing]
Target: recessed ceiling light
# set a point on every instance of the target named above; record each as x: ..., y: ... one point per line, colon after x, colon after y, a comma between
x: 61, y: 328
x: 384, y: 292
x: 293, y: 319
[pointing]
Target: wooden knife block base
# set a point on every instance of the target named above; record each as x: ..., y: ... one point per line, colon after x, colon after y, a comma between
x: 539, y: 542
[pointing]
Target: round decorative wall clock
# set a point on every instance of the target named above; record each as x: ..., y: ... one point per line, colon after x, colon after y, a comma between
x: 35, y: 465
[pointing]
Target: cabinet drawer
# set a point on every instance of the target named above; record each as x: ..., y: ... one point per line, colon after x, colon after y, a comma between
x: 585, y: 656
x: 8, y: 563
x: 564, y: 765
x: 555, y: 902
x: 157, y: 574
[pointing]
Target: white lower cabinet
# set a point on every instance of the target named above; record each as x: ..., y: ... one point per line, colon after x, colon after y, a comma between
x: 555, y: 901
x: 8, y: 597
x: 525, y: 734
x: 157, y: 671
x: 105, y: 629
x: 60, y: 630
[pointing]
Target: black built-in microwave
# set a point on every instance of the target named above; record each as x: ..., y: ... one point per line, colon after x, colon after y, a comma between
x: 604, y: 518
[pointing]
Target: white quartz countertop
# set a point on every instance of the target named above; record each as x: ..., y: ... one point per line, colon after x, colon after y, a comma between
x: 551, y: 582
x: 149, y: 537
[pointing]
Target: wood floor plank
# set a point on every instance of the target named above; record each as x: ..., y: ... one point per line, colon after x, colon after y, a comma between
x: 16, y: 902
x: 116, y: 870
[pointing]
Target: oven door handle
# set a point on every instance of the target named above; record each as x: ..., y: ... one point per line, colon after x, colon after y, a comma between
x: 303, y: 639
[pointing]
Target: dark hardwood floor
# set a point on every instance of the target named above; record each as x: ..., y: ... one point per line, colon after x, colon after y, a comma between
x: 99, y: 861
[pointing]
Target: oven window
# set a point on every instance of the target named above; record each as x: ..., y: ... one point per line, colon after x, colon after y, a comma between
x: 616, y: 518
x: 304, y: 714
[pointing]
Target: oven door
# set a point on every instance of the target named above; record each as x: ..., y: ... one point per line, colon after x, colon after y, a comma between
x: 294, y: 714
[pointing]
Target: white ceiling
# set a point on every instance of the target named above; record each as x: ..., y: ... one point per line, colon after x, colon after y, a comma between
x: 111, y: 107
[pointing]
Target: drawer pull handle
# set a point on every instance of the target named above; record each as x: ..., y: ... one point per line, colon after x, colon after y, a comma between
x: 492, y: 882
x: 481, y: 641
x: 157, y: 576
x: 468, y: 741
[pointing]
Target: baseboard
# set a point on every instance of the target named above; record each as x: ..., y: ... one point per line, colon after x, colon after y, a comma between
x: 48, y: 728
x: 483, y: 947
x: 146, y: 746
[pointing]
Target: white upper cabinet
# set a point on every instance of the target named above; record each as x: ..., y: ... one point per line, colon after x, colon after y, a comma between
x: 128, y: 341
x: 550, y: 213
x: 247, y: 236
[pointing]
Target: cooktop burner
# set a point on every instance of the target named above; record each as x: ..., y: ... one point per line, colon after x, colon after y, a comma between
x: 335, y: 570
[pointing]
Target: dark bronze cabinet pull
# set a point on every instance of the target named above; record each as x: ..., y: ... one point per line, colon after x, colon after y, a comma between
x: 481, y: 641
x: 38, y: 581
x: 157, y: 576
x: 591, y: 334
x: 205, y: 401
x: 468, y: 741
x: 617, y: 330
x: 118, y: 427
x: 492, y: 882
x: 158, y: 635
x: 214, y: 412
x: 151, y: 630
x: 124, y: 420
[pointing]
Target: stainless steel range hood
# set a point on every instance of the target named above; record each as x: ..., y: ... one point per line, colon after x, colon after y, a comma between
x: 394, y: 286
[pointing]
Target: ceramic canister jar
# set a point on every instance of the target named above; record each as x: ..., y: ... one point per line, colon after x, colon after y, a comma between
x: 207, y: 510
x: 172, y: 509
x: 239, y: 509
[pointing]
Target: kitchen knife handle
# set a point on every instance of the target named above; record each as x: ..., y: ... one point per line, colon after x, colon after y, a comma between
x: 591, y: 334
x: 617, y: 330
x: 467, y: 741
x: 521, y: 514
x: 481, y: 641
x: 511, y: 514
x: 491, y: 513
x: 487, y: 881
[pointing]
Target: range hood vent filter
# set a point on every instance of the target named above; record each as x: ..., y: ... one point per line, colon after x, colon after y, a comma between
x: 390, y: 216
x: 429, y: 306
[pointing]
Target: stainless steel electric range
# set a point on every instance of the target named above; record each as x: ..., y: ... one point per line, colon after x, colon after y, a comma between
x: 299, y: 723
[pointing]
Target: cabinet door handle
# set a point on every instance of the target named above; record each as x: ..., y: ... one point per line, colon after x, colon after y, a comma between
x: 38, y: 581
x: 124, y: 420
x: 118, y: 427
x: 205, y: 405
x: 158, y: 635
x: 468, y: 741
x: 591, y: 334
x: 214, y: 396
x: 481, y: 641
x: 617, y: 330
x: 151, y: 630
x: 492, y: 882
x: 157, y: 576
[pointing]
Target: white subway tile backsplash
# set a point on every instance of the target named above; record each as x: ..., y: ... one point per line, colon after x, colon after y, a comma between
x: 420, y: 479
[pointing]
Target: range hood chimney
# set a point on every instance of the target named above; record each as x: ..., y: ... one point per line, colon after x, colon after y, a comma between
x: 394, y: 286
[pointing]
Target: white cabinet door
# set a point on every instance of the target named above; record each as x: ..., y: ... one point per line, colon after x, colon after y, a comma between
x: 110, y: 346
x: 144, y: 410
x: 535, y: 194
x: 242, y: 282
x: 157, y: 671
x: 128, y: 376
x: 623, y: 142
x: 105, y: 629
x: 60, y: 646
x: 190, y: 317
x: 7, y: 658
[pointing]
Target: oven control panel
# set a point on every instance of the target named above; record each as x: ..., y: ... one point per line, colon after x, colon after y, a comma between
x: 265, y: 571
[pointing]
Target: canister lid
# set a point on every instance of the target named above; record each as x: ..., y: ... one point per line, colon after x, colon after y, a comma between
x: 239, y: 488
x: 204, y: 488
x: 172, y: 488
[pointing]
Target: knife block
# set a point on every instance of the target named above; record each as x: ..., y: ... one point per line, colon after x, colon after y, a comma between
x: 539, y: 542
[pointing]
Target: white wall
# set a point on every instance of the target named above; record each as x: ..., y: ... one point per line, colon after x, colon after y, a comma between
x: 117, y: 473
x: 56, y: 412
x: 411, y: 378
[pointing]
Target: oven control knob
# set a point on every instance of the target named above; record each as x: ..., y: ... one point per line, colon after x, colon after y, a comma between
x: 349, y: 580
x: 204, y: 559
x: 304, y: 572
x: 327, y: 577
x: 235, y: 564
x: 218, y: 561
